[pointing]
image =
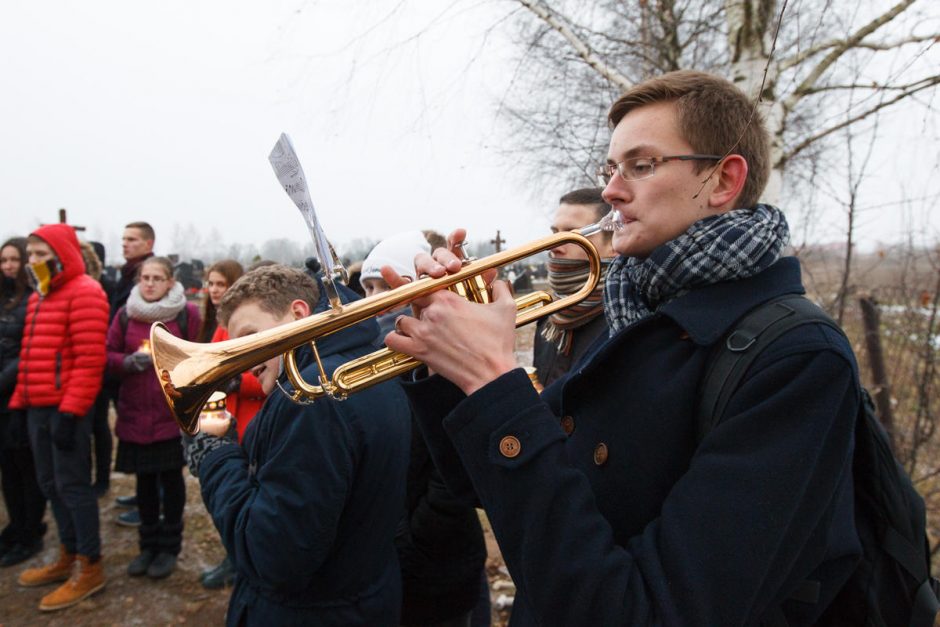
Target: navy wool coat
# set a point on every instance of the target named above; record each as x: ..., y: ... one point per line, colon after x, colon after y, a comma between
x: 608, y: 511
x: 307, y: 507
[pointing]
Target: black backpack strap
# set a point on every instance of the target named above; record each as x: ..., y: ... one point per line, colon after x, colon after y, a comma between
x: 730, y: 361
x: 735, y: 354
x: 182, y: 319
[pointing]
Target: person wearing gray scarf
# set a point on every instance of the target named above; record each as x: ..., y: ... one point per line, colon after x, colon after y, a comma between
x: 149, y: 444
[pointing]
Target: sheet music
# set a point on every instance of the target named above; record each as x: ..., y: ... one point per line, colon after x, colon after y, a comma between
x: 287, y: 168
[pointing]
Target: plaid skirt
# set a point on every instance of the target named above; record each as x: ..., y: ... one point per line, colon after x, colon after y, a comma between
x: 136, y: 458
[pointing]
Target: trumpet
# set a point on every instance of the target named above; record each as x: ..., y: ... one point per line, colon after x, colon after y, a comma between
x: 189, y: 372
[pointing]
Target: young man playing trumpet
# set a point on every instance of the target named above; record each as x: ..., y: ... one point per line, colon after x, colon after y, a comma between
x: 623, y: 517
x: 308, y: 505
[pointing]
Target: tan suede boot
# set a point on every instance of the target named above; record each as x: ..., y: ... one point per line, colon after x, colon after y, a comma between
x: 86, y: 580
x: 60, y: 570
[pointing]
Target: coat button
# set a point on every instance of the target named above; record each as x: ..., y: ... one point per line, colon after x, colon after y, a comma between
x: 509, y: 446
x: 567, y: 425
x: 600, y: 454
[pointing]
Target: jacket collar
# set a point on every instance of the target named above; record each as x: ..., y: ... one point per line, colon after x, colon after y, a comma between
x: 364, y: 333
x: 707, y: 313
x: 129, y: 269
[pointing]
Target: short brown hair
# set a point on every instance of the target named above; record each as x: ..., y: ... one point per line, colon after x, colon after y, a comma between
x: 273, y: 288
x: 435, y: 239
x: 587, y: 196
x: 590, y: 196
x: 163, y: 262
x: 715, y: 117
x: 145, y: 229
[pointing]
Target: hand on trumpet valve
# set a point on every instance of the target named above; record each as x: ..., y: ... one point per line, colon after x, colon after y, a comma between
x: 448, y: 260
x: 468, y: 343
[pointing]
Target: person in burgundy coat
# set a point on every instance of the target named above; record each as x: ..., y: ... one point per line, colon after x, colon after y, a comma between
x: 148, y: 438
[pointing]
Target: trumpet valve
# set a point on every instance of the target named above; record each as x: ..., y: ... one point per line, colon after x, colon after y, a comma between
x: 473, y: 289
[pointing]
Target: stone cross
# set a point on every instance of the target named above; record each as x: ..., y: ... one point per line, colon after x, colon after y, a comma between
x: 63, y: 220
x: 498, y: 242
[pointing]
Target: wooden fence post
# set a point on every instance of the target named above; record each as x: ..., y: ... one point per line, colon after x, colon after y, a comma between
x: 881, y: 388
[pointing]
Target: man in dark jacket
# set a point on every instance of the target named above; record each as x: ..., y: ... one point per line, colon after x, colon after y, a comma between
x: 307, y: 507
x: 624, y: 517
x: 136, y: 245
x: 61, y: 362
x: 563, y: 337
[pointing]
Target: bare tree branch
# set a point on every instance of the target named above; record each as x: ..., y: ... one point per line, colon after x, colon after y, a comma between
x: 837, y: 51
x: 583, y: 50
x: 873, y: 85
x: 804, y: 55
x: 807, y: 141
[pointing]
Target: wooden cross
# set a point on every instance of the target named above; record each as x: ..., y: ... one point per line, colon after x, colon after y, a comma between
x: 63, y: 220
x: 498, y: 242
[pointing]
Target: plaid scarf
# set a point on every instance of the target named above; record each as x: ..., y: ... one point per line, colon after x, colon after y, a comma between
x: 725, y: 247
x: 565, y: 277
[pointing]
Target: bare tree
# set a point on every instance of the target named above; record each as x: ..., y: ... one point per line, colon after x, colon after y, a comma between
x: 854, y: 175
x: 357, y: 249
x: 576, y: 57
x: 282, y: 250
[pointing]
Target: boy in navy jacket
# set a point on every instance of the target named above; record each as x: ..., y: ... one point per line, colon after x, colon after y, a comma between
x: 307, y: 507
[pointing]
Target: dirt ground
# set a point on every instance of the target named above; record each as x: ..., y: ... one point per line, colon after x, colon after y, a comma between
x: 179, y: 599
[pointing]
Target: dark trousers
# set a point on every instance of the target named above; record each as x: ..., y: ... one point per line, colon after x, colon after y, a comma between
x: 65, y: 479
x: 25, y: 502
x: 104, y: 443
x: 483, y: 612
x: 164, y: 536
x: 460, y: 621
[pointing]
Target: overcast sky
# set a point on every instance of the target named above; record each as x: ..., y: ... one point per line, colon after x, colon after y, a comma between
x: 166, y: 112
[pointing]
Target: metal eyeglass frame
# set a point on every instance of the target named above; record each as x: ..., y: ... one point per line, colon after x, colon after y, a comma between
x: 606, y: 171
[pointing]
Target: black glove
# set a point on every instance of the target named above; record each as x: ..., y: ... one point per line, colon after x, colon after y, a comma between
x: 233, y: 385
x: 137, y: 362
x: 64, y: 434
x: 202, y: 444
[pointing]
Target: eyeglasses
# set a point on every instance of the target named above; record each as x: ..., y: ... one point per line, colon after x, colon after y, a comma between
x: 639, y: 168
